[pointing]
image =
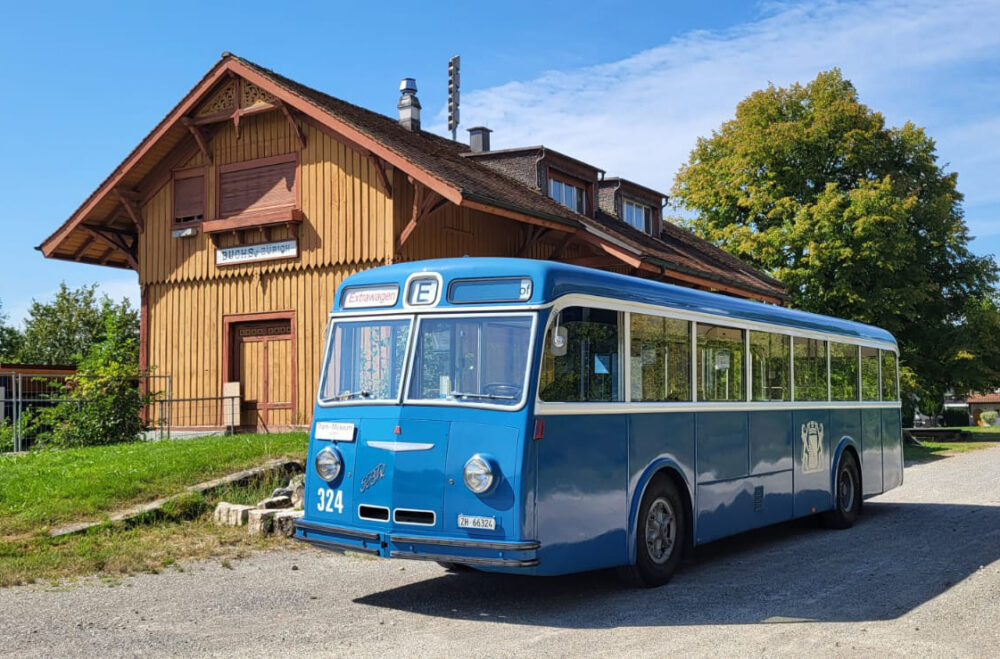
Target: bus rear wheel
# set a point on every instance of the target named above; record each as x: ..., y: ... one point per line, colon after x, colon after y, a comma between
x: 846, y: 497
x: 661, y: 531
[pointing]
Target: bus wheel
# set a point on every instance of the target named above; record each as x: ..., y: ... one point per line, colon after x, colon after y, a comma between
x: 660, y: 535
x: 847, y: 498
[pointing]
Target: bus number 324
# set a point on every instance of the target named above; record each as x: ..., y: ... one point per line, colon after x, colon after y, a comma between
x: 330, y: 499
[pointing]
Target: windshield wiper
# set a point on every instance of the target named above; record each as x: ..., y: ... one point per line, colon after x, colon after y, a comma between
x: 355, y: 394
x: 466, y: 394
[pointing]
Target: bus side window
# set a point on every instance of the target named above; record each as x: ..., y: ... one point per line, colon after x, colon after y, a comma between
x: 843, y: 371
x: 770, y: 366
x: 889, y: 376
x: 588, y: 370
x: 720, y: 363
x: 869, y: 373
x: 661, y: 359
x: 810, y: 369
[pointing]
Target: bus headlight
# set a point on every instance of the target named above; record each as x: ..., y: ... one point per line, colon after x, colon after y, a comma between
x: 478, y: 474
x: 328, y: 464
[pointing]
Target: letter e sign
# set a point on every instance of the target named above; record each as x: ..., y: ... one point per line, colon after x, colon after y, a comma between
x: 423, y: 291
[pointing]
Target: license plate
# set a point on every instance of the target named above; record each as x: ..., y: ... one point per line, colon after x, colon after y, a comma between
x: 470, y: 522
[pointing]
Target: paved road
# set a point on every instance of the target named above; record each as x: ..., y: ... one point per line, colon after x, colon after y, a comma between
x: 918, y: 575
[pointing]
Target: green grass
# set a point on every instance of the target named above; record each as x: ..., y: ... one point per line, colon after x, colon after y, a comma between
x: 42, y: 489
x: 45, y: 488
x: 937, y: 450
x: 978, y: 430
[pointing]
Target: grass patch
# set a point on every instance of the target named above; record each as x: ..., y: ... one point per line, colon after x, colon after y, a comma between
x: 44, y: 488
x: 38, y: 490
x: 937, y: 450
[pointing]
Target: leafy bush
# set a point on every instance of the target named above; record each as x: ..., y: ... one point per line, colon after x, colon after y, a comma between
x: 988, y: 417
x: 102, y: 402
x: 954, y: 417
x: 6, y: 436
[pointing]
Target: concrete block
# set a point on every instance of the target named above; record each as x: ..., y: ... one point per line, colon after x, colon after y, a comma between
x: 276, y: 502
x: 281, y: 492
x: 238, y: 514
x: 260, y: 521
x: 284, y: 522
x: 221, y: 514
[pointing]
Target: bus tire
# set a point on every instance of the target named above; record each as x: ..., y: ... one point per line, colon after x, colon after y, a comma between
x: 847, y: 496
x: 661, y: 529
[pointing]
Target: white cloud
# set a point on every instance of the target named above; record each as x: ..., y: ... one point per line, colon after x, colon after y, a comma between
x: 640, y: 117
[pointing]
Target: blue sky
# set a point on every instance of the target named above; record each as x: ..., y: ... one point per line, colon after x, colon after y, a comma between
x: 627, y: 86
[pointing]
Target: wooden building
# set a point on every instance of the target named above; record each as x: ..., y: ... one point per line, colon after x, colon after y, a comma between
x: 247, y: 205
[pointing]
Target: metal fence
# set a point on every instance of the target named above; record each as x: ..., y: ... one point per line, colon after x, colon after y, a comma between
x: 165, y: 417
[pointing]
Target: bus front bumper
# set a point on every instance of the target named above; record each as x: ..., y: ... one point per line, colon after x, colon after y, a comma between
x: 477, y: 553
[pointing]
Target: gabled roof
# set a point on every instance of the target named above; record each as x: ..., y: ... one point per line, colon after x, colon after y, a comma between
x: 983, y: 398
x: 433, y: 161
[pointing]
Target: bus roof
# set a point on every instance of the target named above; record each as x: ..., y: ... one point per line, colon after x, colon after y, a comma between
x: 551, y: 280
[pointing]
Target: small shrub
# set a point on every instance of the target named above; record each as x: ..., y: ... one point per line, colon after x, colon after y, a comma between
x: 989, y: 417
x: 954, y: 417
x: 6, y: 436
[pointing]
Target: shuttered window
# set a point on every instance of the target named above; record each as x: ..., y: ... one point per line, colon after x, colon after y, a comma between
x: 189, y: 199
x: 257, y: 189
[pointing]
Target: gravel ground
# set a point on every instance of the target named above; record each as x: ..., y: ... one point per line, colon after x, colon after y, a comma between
x: 918, y: 575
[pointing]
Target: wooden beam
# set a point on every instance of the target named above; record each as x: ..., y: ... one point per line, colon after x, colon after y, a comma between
x: 237, y: 98
x: 83, y: 248
x: 294, y: 124
x: 562, y: 245
x: 199, y: 138
x: 425, y: 202
x: 117, y: 240
x: 134, y: 212
x: 383, y: 177
x: 535, y: 233
x: 520, y: 217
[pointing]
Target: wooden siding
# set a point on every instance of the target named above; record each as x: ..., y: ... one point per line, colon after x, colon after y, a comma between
x: 186, y: 335
x: 347, y: 217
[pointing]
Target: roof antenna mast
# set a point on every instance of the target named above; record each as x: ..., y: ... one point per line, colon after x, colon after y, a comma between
x: 453, y: 65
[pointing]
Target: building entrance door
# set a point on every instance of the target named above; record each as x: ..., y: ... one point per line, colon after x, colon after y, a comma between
x: 264, y: 365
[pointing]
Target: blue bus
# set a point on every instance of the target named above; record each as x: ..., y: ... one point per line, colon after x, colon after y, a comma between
x: 539, y: 418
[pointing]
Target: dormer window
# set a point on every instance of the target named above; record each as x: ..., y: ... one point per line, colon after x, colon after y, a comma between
x: 568, y: 195
x: 639, y: 216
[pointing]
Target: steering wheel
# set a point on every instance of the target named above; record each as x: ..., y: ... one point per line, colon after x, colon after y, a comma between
x: 503, y: 389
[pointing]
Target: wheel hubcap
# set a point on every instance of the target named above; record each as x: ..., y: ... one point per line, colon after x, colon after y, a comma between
x: 661, y: 530
x: 846, y: 490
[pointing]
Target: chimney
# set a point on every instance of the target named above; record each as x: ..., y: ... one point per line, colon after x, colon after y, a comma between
x: 479, y: 139
x: 409, y: 106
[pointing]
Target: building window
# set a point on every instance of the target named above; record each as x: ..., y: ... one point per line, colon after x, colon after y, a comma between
x: 189, y: 196
x: 639, y: 216
x: 258, y: 186
x: 568, y: 195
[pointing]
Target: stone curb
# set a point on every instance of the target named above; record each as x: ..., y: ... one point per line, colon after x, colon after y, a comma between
x: 128, y: 514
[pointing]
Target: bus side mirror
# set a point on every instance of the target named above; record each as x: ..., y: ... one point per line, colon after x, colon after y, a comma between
x: 560, y: 341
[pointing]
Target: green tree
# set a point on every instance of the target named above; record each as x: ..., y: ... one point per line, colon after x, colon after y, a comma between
x: 62, y: 331
x: 10, y: 339
x: 858, y: 219
x: 103, y: 400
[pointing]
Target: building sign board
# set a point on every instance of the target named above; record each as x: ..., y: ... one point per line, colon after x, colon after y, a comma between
x: 285, y: 249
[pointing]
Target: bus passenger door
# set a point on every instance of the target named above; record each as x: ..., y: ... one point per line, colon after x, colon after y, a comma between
x: 871, y: 446
x: 581, y: 503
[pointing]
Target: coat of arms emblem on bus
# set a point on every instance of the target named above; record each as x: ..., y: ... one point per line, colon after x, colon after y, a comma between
x: 812, y: 447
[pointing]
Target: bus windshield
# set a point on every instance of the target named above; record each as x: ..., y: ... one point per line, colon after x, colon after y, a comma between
x: 366, y: 360
x: 471, y: 359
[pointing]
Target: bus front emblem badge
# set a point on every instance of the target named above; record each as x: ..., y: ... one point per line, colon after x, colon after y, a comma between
x: 812, y: 447
x: 373, y: 476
